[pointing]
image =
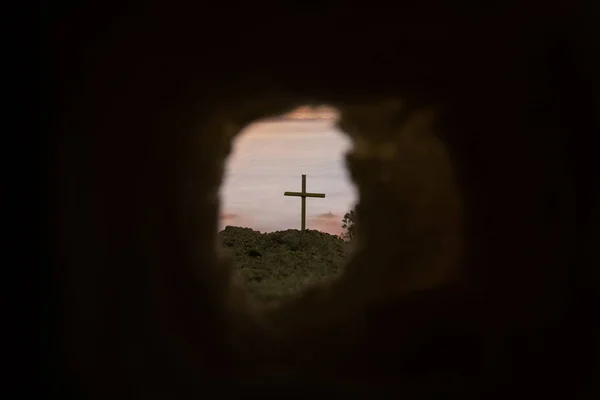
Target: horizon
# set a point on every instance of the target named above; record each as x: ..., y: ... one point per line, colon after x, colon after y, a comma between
x: 279, y: 230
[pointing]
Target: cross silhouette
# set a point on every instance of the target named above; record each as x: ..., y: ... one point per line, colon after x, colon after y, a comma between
x: 304, y: 195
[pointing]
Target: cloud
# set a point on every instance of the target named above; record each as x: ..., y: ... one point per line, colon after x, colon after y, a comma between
x: 328, y: 215
x: 232, y: 219
x: 329, y: 223
x: 228, y: 216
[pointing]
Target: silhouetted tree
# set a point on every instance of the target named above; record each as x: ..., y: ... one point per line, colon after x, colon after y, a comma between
x: 348, y: 225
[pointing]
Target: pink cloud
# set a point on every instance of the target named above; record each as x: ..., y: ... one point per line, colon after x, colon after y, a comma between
x: 227, y: 216
x: 328, y: 223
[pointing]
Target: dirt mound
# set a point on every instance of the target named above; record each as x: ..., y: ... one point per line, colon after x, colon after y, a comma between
x: 280, y: 263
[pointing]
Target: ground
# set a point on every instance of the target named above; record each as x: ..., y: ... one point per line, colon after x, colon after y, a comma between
x: 278, y: 264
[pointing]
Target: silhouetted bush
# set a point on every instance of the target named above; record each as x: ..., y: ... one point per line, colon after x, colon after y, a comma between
x: 348, y: 225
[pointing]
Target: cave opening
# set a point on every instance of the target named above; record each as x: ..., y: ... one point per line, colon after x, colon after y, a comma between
x: 284, y: 196
x: 269, y: 157
x: 409, y: 205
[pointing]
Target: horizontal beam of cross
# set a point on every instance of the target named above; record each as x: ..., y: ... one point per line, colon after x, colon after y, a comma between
x: 300, y: 194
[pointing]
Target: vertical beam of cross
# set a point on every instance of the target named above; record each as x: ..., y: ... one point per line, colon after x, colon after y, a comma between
x: 304, y: 195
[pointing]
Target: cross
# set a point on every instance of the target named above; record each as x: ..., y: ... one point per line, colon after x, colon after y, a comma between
x: 304, y: 195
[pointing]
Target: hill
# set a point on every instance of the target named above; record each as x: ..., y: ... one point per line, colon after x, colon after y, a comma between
x: 278, y: 264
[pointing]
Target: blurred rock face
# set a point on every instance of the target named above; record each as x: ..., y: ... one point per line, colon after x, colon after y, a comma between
x: 409, y: 199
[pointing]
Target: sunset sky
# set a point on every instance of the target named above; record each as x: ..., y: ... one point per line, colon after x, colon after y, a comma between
x: 320, y: 112
x: 269, y: 158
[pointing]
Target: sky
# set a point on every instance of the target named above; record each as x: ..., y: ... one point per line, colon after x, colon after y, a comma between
x: 269, y: 158
x: 324, y: 112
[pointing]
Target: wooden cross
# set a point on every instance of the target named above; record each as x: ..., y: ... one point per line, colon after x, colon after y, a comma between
x: 304, y: 195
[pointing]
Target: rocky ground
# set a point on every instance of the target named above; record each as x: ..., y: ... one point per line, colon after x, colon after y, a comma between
x: 278, y: 264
